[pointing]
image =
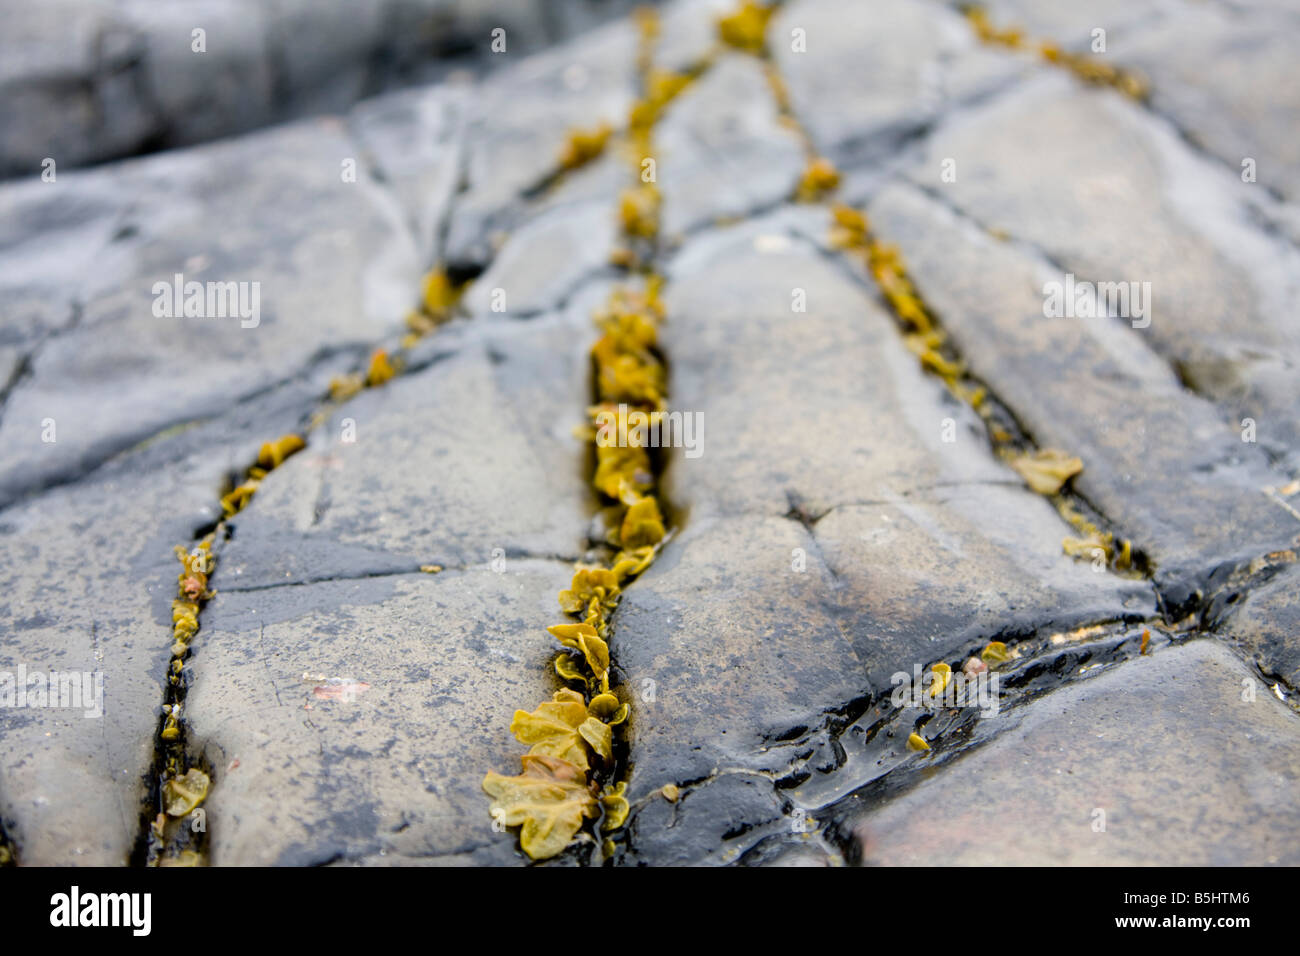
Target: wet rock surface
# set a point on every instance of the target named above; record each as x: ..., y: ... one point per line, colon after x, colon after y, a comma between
x: 1086, y: 778
x: 838, y: 511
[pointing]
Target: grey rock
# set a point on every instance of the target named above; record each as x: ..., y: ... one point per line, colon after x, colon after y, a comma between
x: 413, y: 141
x: 875, y: 74
x: 87, y: 576
x: 522, y: 117
x: 1156, y: 457
x: 688, y: 32
x: 721, y: 150
x: 1071, y: 25
x: 411, y: 490
x: 320, y: 578
x: 1266, y: 622
x: 1184, y: 770
x: 283, y: 208
x: 310, y: 766
x: 1129, y: 202
x: 1226, y: 82
x: 828, y: 537
x: 85, y: 82
x: 193, y: 96
x: 546, y: 258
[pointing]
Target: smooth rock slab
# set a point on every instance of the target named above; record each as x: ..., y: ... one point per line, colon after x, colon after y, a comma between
x: 721, y: 150
x: 268, y: 209
x: 83, y: 81
x: 1110, y: 194
x: 1072, y: 24
x: 1157, y: 458
x: 87, y: 576
x: 546, y: 258
x: 1267, y: 623
x: 310, y: 766
x: 1186, y: 772
x: 469, y: 459
x: 413, y: 142
x: 827, y: 536
x: 873, y: 74
x: 1229, y: 82
x: 522, y: 117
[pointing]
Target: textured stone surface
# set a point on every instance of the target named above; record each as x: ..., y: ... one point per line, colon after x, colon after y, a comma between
x: 267, y: 209
x: 412, y: 141
x: 1266, y: 622
x: 523, y: 115
x: 1227, y: 81
x: 915, y: 548
x: 321, y: 577
x: 922, y: 58
x: 721, y: 150
x: 1072, y: 24
x: 412, y: 488
x: 1225, y: 796
x: 1156, y: 456
x: 845, y: 520
x: 1129, y: 202
x: 85, y: 81
x: 396, y: 766
x: 87, y: 575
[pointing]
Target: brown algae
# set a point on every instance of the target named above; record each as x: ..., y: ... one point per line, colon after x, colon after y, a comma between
x: 571, y: 737
x: 1089, y: 69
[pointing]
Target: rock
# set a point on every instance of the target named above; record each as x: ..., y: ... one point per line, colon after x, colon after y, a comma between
x: 1077, y: 384
x: 87, y: 576
x: 409, y: 488
x: 721, y: 151
x: 923, y: 59
x: 1071, y: 25
x: 1266, y: 621
x: 412, y: 141
x: 688, y: 32
x: 1225, y: 81
x: 1184, y: 771
x: 364, y: 714
x: 321, y: 578
x: 828, y: 537
x: 546, y: 258
x: 57, y: 68
x: 284, y: 208
x: 228, y: 88
x: 836, y: 514
x: 522, y: 117
x: 84, y: 82
x: 696, y: 829
x: 1218, y: 283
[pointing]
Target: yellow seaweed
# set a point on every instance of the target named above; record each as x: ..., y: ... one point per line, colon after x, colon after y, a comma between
x: 549, y: 800
x: 616, y: 806
x: 183, y: 794
x: 582, y: 146
x: 1046, y: 470
x: 746, y: 27
x: 819, y: 178
x: 274, y: 453
x: 552, y: 730
x: 380, y: 369
x: 995, y: 652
